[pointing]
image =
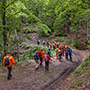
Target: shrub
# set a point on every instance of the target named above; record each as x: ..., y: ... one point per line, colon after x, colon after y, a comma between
x: 44, y: 30
x: 83, y: 67
x: 28, y: 55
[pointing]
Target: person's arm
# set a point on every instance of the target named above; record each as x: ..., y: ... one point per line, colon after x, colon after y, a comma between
x: 4, y: 61
x: 13, y: 61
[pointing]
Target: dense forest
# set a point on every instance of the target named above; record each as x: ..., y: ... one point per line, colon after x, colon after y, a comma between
x: 58, y: 17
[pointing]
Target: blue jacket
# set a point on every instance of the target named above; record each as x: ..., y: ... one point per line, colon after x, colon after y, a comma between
x: 49, y: 52
x: 70, y: 51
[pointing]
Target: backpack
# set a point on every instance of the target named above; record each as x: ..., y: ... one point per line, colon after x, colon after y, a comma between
x: 66, y: 51
x: 46, y: 58
x: 35, y: 56
x: 59, y: 52
x: 38, y: 41
x: 39, y: 54
x: 7, y: 61
x: 49, y: 53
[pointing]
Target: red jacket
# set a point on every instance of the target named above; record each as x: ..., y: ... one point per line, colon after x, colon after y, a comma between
x: 41, y: 52
x: 48, y: 57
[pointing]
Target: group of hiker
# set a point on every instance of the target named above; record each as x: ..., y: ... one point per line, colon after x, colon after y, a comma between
x: 39, y: 57
x: 59, y: 48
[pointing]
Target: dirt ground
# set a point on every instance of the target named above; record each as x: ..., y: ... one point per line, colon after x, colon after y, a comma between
x: 26, y: 77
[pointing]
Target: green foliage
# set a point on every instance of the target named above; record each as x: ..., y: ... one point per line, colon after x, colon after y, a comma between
x: 28, y: 55
x: 63, y: 40
x: 77, y: 82
x: 89, y: 47
x: 44, y: 30
x: 27, y: 30
x: 83, y: 67
x: 37, y: 48
x: 29, y: 36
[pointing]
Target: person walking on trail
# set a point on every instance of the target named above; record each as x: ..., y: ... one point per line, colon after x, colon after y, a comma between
x: 66, y: 53
x: 40, y: 53
x: 70, y: 53
x: 63, y: 49
x: 50, y: 45
x: 38, y: 42
x: 59, y: 54
x: 7, y: 62
x: 36, y: 58
x: 47, y: 44
x: 57, y: 45
x: 49, y: 52
x: 53, y: 46
x: 43, y: 43
x: 46, y: 59
x: 56, y: 50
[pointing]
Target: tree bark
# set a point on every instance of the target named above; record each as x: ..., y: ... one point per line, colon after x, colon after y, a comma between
x: 4, y: 27
x: 16, y: 34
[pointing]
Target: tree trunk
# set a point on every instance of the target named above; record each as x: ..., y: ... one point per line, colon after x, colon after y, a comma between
x: 4, y: 27
x: 88, y: 28
x: 67, y: 27
x: 16, y: 34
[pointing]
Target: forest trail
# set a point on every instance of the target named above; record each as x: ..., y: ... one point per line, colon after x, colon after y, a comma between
x: 25, y: 77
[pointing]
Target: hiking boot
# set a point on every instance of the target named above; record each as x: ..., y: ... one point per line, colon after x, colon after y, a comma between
x: 8, y: 78
x: 37, y: 68
x: 10, y: 75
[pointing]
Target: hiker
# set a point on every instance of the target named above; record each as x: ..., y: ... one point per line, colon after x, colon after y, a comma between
x: 56, y: 50
x: 63, y: 49
x: 59, y: 54
x: 38, y: 42
x: 57, y: 45
x: 49, y: 52
x: 53, y: 46
x: 40, y: 53
x: 7, y: 62
x: 46, y: 59
x: 70, y: 53
x: 66, y: 52
x: 43, y: 43
x: 50, y: 45
x: 60, y: 45
x: 47, y: 44
x: 36, y: 58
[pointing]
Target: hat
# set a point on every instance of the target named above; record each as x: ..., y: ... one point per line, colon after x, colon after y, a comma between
x: 9, y: 52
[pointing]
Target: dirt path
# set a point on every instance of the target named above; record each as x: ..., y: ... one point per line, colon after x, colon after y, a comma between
x: 27, y: 78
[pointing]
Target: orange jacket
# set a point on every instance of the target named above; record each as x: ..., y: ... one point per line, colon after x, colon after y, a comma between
x: 11, y: 60
x: 41, y: 53
x: 55, y: 43
x: 66, y: 46
x: 60, y: 46
x: 50, y: 44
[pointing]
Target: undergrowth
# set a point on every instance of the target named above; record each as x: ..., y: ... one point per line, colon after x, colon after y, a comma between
x: 80, y: 72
